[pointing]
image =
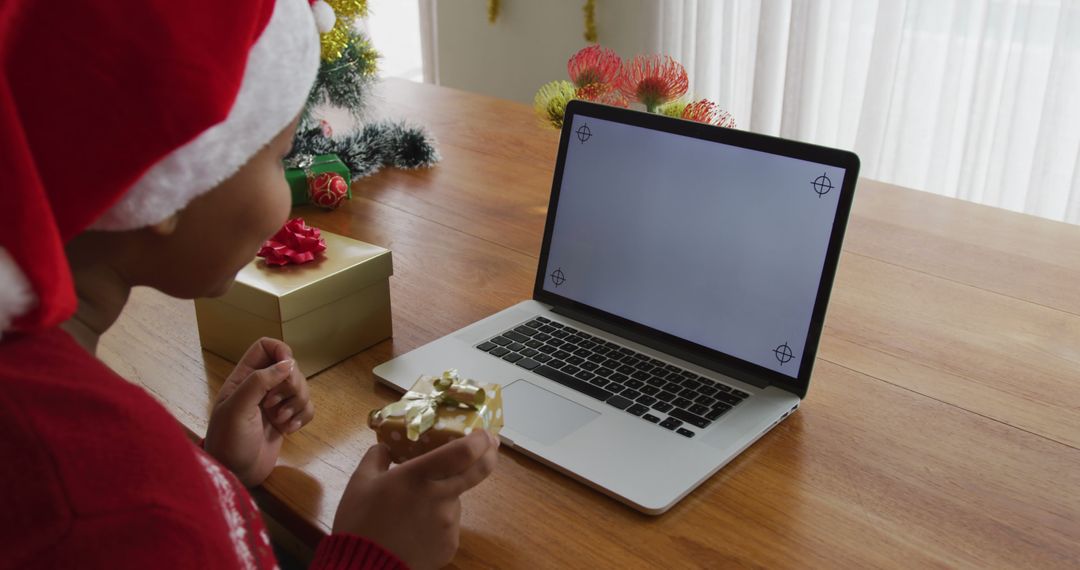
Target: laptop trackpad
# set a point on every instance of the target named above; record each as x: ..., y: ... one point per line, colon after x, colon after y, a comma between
x: 541, y: 415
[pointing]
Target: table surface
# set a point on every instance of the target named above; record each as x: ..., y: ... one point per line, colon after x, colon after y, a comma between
x: 942, y: 426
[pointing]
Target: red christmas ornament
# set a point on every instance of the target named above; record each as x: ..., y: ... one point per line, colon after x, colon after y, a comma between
x: 327, y: 190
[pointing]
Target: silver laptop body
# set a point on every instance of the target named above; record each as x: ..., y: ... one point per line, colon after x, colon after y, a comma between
x: 679, y: 300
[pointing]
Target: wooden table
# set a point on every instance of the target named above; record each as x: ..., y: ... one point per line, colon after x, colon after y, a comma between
x: 942, y: 427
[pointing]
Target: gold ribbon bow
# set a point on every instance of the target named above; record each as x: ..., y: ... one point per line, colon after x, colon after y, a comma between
x: 419, y: 408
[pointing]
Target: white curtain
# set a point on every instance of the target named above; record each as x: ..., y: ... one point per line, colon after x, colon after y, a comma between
x: 975, y: 99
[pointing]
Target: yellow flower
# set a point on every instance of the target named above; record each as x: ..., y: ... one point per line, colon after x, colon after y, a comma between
x: 672, y: 109
x: 550, y: 102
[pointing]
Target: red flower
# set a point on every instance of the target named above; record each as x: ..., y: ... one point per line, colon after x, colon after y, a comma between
x: 593, y: 64
x: 705, y: 111
x: 653, y: 80
x: 603, y: 93
x: 294, y: 243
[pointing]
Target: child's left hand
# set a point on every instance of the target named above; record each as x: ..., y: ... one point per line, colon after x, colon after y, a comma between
x: 263, y: 399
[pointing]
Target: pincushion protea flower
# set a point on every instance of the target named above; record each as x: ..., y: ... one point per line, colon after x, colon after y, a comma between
x: 604, y: 93
x: 598, y: 75
x: 705, y: 111
x: 550, y: 101
x: 653, y: 80
x: 594, y: 64
x: 672, y: 109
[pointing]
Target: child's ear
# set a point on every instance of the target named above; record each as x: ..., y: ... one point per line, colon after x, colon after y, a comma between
x: 167, y: 226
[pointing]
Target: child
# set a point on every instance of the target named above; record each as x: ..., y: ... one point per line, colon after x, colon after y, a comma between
x: 142, y: 145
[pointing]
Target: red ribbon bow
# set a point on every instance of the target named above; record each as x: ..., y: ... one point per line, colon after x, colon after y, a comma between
x: 295, y: 243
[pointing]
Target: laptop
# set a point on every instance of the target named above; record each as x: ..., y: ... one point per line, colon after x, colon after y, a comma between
x: 679, y: 299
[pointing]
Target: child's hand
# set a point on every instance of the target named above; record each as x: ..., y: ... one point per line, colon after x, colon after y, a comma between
x: 414, y: 509
x: 264, y: 398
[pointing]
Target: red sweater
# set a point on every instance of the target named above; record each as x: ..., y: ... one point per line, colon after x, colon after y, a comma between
x: 95, y: 473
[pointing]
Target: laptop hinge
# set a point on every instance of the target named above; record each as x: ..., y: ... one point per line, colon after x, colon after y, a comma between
x: 667, y: 348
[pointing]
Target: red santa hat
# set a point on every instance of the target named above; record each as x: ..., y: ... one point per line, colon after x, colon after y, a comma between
x: 117, y: 114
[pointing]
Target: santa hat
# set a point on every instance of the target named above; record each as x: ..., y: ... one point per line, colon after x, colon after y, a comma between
x: 117, y: 114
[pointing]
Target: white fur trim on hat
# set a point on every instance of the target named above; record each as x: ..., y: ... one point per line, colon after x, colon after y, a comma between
x: 280, y: 70
x: 16, y: 295
x: 324, y: 16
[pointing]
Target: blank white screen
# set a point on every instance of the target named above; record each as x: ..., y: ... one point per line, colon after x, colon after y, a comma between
x: 716, y: 244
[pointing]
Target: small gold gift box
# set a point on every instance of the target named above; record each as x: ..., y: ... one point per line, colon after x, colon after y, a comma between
x: 326, y: 310
x: 435, y: 411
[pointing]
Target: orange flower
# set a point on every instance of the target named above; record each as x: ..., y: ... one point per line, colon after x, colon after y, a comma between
x: 653, y: 80
x: 705, y: 111
x: 593, y: 64
x: 603, y: 93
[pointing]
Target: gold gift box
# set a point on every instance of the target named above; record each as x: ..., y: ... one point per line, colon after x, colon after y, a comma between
x: 326, y: 310
x: 454, y: 409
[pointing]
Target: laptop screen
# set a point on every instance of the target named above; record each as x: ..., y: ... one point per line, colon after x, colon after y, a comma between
x: 719, y: 245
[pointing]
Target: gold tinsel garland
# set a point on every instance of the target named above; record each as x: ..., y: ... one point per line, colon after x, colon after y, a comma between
x: 589, y: 9
x: 336, y: 40
x: 590, y: 21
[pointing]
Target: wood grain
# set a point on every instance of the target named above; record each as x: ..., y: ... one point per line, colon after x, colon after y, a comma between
x: 941, y: 428
x: 1007, y: 359
x: 1017, y: 255
x: 495, y: 177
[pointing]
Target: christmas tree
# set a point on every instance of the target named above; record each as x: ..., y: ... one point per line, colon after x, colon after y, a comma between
x: 347, y: 74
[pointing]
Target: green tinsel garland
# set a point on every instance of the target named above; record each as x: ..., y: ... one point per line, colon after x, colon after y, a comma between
x: 346, y: 81
x: 367, y: 150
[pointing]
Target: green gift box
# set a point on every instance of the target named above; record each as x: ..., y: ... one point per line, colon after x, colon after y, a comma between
x: 298, y: 169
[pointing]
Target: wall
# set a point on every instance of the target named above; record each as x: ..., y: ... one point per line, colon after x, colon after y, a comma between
x: 531, y: 40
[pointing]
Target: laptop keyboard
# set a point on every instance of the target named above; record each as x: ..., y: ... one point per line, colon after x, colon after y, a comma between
x: 654, y: 390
